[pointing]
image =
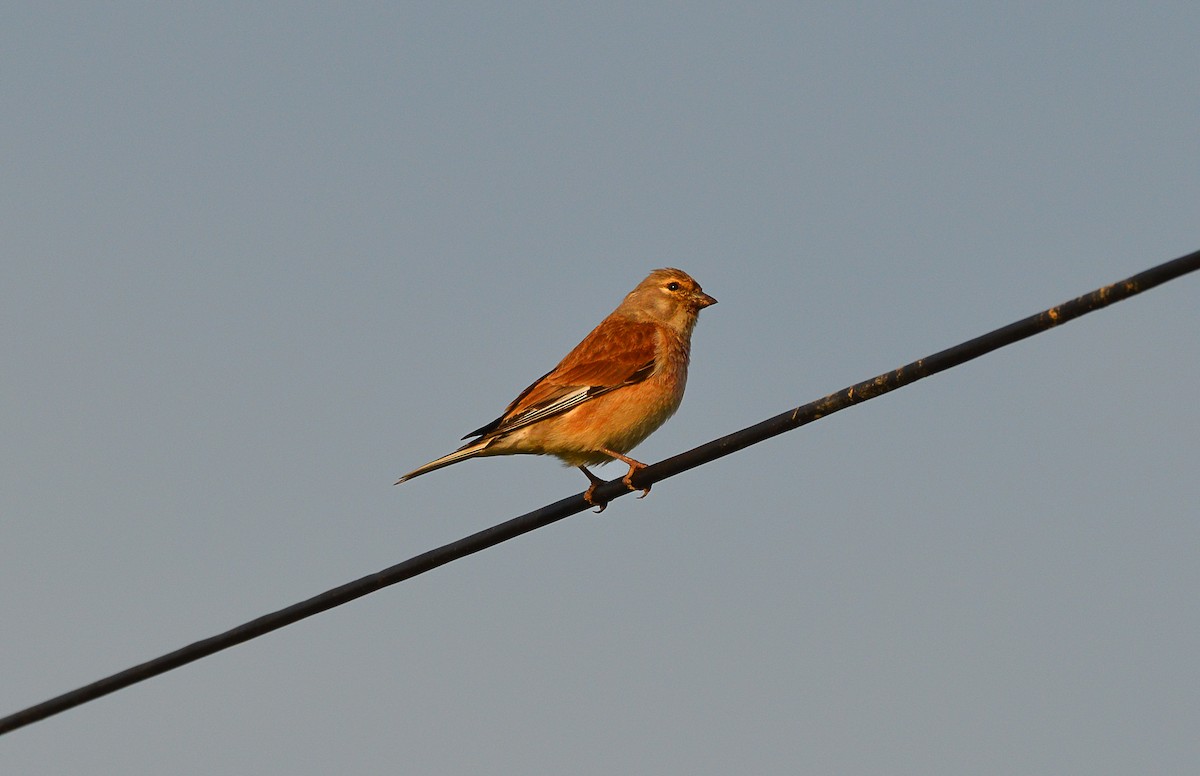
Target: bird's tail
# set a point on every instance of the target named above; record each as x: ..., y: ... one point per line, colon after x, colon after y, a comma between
x: 469, y: 450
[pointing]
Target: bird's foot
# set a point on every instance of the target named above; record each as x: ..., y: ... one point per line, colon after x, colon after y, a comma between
x: 634, y: 468
x: 589, y: 495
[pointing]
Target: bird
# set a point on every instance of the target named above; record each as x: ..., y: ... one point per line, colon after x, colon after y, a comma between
x: 614, y: 389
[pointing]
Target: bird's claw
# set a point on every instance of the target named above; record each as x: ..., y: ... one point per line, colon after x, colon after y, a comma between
x: 590, y: 494
x: 590, y: 497
x: 628, y: 480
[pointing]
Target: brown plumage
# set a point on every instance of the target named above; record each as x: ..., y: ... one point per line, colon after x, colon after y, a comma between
x: 614, y: 389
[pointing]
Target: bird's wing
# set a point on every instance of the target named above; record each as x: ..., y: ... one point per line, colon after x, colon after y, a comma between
x: 615, y: 354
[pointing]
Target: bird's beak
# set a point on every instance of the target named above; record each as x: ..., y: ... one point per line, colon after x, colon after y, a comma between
x: 704, y: 300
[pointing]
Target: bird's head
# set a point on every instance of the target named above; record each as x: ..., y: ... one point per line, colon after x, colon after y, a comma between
x: 669, y: 296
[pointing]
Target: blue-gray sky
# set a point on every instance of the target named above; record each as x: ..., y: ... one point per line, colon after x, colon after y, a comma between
x: 259, y: 260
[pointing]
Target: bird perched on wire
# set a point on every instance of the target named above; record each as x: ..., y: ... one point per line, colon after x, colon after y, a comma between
x: 611, y: 392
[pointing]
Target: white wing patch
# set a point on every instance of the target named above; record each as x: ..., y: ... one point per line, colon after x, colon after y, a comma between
x: 556, y: 407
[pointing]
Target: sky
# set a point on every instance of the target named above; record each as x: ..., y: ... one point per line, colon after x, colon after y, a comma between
x: 259, y: 260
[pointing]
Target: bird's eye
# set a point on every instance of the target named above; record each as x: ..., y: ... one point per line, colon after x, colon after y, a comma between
x: 673, y: 286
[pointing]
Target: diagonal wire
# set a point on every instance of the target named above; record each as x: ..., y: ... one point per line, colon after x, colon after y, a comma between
x: 551, y: 513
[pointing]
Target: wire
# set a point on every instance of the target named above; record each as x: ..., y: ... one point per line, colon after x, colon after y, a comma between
x: 706, y: 453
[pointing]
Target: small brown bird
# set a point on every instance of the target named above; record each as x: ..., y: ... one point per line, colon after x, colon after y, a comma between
x: 609, y: 393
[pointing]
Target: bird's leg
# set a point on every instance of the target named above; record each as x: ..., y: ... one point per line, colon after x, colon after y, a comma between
x: 634, y: 468
x: 589, y: 494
